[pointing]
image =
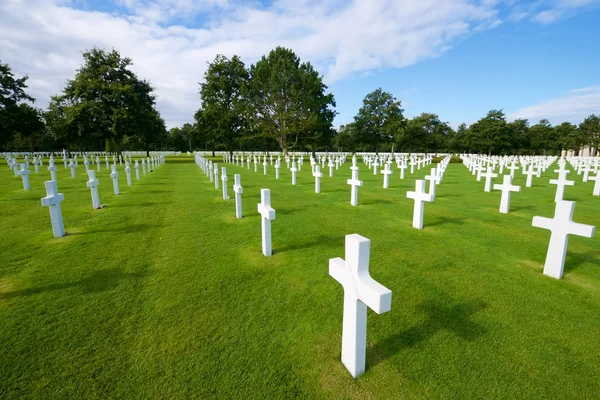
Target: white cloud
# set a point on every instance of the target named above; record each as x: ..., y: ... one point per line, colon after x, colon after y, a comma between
x: 45, y: 38
x: 573, y: 107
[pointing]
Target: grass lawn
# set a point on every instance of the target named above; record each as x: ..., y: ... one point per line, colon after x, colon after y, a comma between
x: 165, y: 294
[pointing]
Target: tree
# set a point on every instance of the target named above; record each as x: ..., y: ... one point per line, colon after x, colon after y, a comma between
x: 12, y: 93
x: 345, y: 138
x: 425, y: 133
x: 224, y: 102
x: 542, y: 137
x: 568, y: 136
x: 288, y: 100
x: 490, y: 134
x: 518, y: 135
x: 590, y: 131
x: 107, y: 101
x: 379, y: 119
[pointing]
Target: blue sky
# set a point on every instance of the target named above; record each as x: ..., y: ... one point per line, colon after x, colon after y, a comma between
x: 456, y: 58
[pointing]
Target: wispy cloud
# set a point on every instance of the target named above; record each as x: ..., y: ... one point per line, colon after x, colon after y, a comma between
x: 171, y: 41
x: 573, y: 107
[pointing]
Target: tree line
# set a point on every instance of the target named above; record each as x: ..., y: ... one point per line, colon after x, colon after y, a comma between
x: 277, y: 104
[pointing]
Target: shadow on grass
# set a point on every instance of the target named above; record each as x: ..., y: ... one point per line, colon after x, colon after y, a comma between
x: 320, y: 241
x: 98, y: 281
x: 438, y: 317
x: 146, y: 204
x: 132, y: 228
x: 522, y: 208
x: 378, y: 201
x: 575, y: 260
x: 447, y: 221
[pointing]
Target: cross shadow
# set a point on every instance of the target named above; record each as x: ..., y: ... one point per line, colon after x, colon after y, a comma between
x: 147, y: 204
x: 522, y: 208
x: 441, y: 196
x: 574, y: 260
x: 454, y: 318
x: 447, y: 221
x: 132, y: 228
x: 319, y: 241
x: 99, y: 281
x: 379, y: 201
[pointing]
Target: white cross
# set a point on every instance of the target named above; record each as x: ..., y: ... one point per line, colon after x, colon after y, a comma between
x: 52, y: 169
x: 115, y: 177
x: 238, y: 189
x: 318, y: 175
x: 375, y: 165
x: 560, y: 183
x: 36, y: 164
x: 420, y: 197
x: 530, y: 173
x: 489, y: 175
x: 432, y: 178
x: 330, y: 165
x: 98, y: 163
x: 360, y: 291
x: 277, y: 167
x: 386, y: 175
x: 93, y: 183
x: 596, y: 180
x: 402, y: 168
x: 216, y: 173
x: 224, y: 179
x: 144, y: 167
x: 506, y: 187
x: 128, y: 173
x: 512, y: 168
x: 72, y: 166
x: 52, y: 201
x: 355, y: 183
x: 561, y: 226
x: 268, y: 214
x: 255, y: 164
x: 293, y: 169
x: 24, y: 172
x: 265, y: 164
x: 137, y: 170
x: 412, y: 165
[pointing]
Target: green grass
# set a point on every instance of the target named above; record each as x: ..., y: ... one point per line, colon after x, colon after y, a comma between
x: 165, y: 294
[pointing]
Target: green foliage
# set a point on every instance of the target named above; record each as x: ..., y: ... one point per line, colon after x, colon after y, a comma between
x: 288, y: 102
x: 224, y: 103
x: 379, y: 119
x: 16, y: 117
x: 590, y: 131
x: 106, y: 101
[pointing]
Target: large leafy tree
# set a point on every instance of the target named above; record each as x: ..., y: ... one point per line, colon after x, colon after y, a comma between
x: 568, y: 136
x: 224, y: 103
x: 106, y: 100
x: 288, y: 100
x: 379, y: 119
x: 12, y: 95
x: 518, y: 135
x: 542, y: 137
x: 426, y: 133
x: 590, y: 131
x: 490, y: 134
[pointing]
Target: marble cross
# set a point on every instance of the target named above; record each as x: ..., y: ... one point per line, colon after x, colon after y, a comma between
x: 294, y: 170
x: 432, y: 178
x: 561, y: 226
x: 98, y: 163
x: 489, y: 175
x: 143, y: 166
x: 265, y: 164
x: 330, y: 165
x: 506, y: 187
x: 530, y: 173
x: 360, y: 291
x: 52, y: 169
x: 238, y: 190
x: 106, y: 161
x: 72, y: 166
x: 387, y: 171
x: 560, y: 183
x: 93, y: 183
x: 277, y: 167
x: 137, y: 170
x: 52, y: 201
x: 420, y: 197
x: 128, y: 173
x: 596, y: 180
x: 224, y: 179
x: 216, y: 173
x: 24, y: 172
x: 318, y: 175
x: 267, y: 215
x: 115, y: 178
x: 354, y: 183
